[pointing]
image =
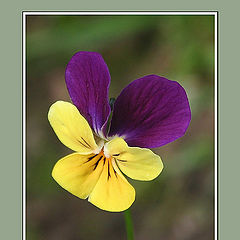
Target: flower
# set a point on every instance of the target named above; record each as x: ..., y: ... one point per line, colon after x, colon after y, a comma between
x: 150, y: 112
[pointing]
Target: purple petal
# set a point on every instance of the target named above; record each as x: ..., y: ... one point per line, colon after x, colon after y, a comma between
x: 88, y: 79
x: 150, y: 112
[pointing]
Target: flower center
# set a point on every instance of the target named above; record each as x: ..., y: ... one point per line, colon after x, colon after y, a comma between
x: 111, y: 148
x: 106, y: 151
x: 103, y: 149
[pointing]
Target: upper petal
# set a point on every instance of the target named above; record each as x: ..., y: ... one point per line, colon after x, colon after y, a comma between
x: 71, y: 128
x: 88, y: 79
x: 137, y: 163
x: 150, y: 112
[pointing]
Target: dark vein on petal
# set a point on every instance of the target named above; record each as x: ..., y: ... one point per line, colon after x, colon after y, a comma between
x: 96, y: 164
x: 83, y: 144
x: 90, y: 158
x: 121, y: 160
x: 108, y: 171
x: 86, y: 142
x: 117, y: 164
x: 115, y: 171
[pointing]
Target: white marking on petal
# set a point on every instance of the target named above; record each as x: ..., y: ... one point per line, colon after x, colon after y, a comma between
x: 100, y: 146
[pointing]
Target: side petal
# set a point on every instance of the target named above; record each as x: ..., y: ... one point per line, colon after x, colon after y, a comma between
x: 150, y: 112
x: 136, y: 163
x: 112, y: 192
x: 71, y: 127
x: 78, y: 174
x: 87, y: 79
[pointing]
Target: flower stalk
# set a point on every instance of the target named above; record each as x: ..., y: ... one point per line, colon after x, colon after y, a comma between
x: 129, y: 224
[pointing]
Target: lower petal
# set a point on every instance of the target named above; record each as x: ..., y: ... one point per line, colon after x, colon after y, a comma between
x: 71, y: 127
x: 140, y: 164
x: 78, y: 174
x: 112, y: 191
x: 136, y: 163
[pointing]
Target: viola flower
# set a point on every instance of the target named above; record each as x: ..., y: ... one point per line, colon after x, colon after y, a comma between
x: 150, y: 112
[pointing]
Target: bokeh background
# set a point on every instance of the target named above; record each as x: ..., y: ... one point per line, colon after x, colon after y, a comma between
x: 179, y: 204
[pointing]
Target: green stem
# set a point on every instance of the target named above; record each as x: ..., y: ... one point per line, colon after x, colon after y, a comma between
x: 128, y: 224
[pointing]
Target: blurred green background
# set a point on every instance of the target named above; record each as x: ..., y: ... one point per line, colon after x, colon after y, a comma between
x: 179, y: 204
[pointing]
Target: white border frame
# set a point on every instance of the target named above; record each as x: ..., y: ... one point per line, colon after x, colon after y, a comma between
x: 124, y: 13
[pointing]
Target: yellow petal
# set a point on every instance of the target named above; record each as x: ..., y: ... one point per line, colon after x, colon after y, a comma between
x: 136, y: 163
x: 78, y: 173
x: 112, y: 191
x: 71, y: 127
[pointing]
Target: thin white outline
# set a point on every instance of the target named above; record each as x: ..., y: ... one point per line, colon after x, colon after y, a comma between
x: 216, y: 127
x: 24, y: 126
x: 122, y: 13
x: 118, y: 13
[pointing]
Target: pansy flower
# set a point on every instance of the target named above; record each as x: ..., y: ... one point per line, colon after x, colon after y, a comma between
x: 150, y: 112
